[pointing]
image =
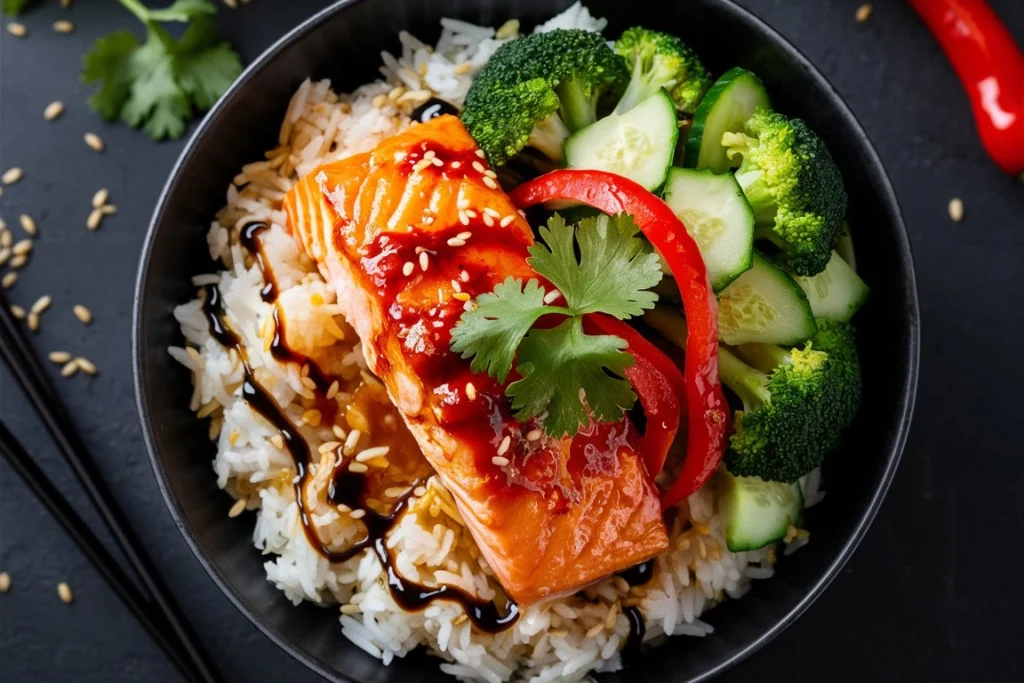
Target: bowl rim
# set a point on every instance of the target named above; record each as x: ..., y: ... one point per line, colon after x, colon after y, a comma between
x: 887, y: 198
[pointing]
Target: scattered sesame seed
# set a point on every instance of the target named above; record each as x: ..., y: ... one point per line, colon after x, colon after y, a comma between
x: 956, y: 209
x: 469, y: 306
x: 21, y: 248
x: 379, y: 101
x: 332, y: 390
x: 429, y: 154
x: 19, y: 261
x: 357, y: 514
x: 238, y: 508
x: 462, y: 204
x: 83, y: 314
x: 33, y: 322
x: 456, y: 165
x: 456, y: 242
x: 480, y: 153
x: 69, y: 369
x: 309, y: 383
x: 504, y: 223
x: 464, y: 235
x: 864, y: 12
x: 41, y: 304
x: 94, y: 141
x: 552, y: 296
x: 5, y: 582
x: 488, y: 221
x: 424, y: 261
x: 420, y: 165
x: 368, y: 454
x: 478, y: 167
x: 464, y: 276
x: 12, y: 175
x: 456, y: 285
x: 59, y: 356
x: 100, y: 198
x: 491, y: 174
x: 533, y: 435
x: 471, y: 213
x: 63, y: 26
x: 395, y: 491
x: 470, y: 391
x: 94, y: 220
x: 16, y: 29
x: 462, y: 296
x: 328, y: 446
x: 53, y: 110
x: 489, y: 182
x: 18, y: 312
x: 463, y: 217
x: 437, y: 162
x: 5, y: 255
x: 108, y: 209
x: 351, y: 441
x: 28, y: 224
x: 408, y: 268
x: 491, y: 212
x: 499, y: 461
x: 504, y: 445
x: 86, y: 366
x: 64, y: 591
x: 358, y: 468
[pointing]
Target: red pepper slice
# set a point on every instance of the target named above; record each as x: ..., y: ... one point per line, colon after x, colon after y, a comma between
x: 991, y: 68
x: 658, y: 384
x: 706, y: 408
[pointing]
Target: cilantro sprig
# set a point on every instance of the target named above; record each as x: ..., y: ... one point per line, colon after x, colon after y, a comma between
x: 15, y: 7
x: 157, y: 84
x: 566, y: 375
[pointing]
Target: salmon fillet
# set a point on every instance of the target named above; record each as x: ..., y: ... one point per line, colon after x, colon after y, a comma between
x: 407, y: 235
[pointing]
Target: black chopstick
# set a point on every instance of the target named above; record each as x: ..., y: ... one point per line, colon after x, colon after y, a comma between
x: 24, y: 364
x: 91, y: 546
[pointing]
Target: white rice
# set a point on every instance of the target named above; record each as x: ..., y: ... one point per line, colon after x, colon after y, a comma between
x: 429, y: 543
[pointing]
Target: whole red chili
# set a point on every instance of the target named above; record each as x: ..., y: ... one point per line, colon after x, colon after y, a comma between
x: 705, y: 404
x: 991, y: 68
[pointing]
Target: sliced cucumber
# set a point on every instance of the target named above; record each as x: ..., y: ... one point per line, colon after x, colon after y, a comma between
x: 755, y: 512
x: 639, y: 144
x: 727, y: 106
x: 764, y: 305
x: 844, y: 245
x: 835, y: 293
x: 718, y: 217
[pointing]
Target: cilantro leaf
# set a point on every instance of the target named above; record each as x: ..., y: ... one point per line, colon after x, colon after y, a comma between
x: 207, y: 66
x: 155, y: 101
x: 183, y: 10
x: 111, y: 62
x: 492, y: 331
x: 15, y: 7
x: 613, y: 271
x: 573, y: 376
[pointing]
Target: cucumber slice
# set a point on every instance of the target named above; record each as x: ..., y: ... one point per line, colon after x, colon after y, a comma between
x: 755, y: 512
x: 718, y: 217
x: 835, y: 293
x: 844, y: 245
x: 727, y: 106
x: 764, y: 305
x: 639, y: 144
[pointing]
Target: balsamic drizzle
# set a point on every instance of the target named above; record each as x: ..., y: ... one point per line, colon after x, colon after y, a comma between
x: 346, y: 488
x: 639, y: 574
x: 433, y: 108
x: 637, y: 629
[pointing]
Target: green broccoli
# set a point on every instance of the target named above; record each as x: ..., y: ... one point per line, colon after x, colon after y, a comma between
x: 796, y: 403
x: 658, y: 60
x: 537, y: 90
x: 794, y: 187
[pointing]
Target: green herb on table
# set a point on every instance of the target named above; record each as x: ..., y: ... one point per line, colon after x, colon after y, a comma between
x: 158, y: 84
x: 599, y: 266
x: 15, y: 7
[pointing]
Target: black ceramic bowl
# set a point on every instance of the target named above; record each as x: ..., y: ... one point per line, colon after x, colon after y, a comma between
x: 343, y: 43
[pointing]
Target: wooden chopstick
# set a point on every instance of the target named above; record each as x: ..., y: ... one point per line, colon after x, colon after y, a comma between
x: 24, y: 364
x: 91, y: 546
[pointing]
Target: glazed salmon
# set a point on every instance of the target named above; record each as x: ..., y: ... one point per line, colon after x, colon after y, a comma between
x: 407, y: 235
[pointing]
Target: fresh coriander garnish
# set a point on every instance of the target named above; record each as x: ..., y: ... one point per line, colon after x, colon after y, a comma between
x: 157, y: 85
x: 599, y: 266
x: 14, y: 7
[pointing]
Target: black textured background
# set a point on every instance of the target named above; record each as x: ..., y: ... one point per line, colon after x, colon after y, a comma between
x: 929, y: 595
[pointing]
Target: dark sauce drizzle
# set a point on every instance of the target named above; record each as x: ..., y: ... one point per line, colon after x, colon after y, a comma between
x: 639, y: 574
x: 637, y: 629
x: 348, y: 489
x: 433, y: 108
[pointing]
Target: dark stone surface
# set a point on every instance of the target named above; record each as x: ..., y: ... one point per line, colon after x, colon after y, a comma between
x: 924, y: 598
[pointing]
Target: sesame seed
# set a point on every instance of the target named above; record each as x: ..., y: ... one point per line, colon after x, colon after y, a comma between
x: 332, y: 390
x: 33, y: 322
x: 420, y: 165
x: 499, y: 461
x: 408, y: 268
x: 238, y: 508
x: 504, y: 445
x: 19, y: 260
x: 309, y: 383
x: 277, y: 440
x: 100, y: 198
x: 492, y: 213
x: 53, y: 110
x: 94, y: 220
x: 456, y: 286
x: 18, y: 312
x: 108, y: 209
x: 456, y: 242
x: 478, y: 167
x: 41, y: 304
x: 480, y: 153
x: 429, y: 154
x: 395, y: 491
x: 5, y: 255
x: 488, y: 221
x: 328, y: 446
x: 470, y: 391
x: 369, y: 454
x: 464, y: 276
x: 379, y: 101
x: 86, y: 366
x: 462, y: 296
x: 463, y: 218
x: 489, y: 182
x: 506, y: 221
x: 64, y: 591
x: 83, y: 314
x: 94, y: 141
x: 59, y: 356
x: 469, y: 306
x: 424, y: 261
x: 12, y: 175
x: 28, y: 224
x: 456, y: 165
x: 462, y: 204
x: 864, y: 12
x: 437, y: 162
x: 63, y: 26
x: 21, y: 248
x: 358, y: 468
x: 16, y: 29
x: 5, y: 582
x: 69, y: 369
x: 533, y: 435
x: 490, y: 174
x: 464, y: 235
x: 956, y: 209
x: 552, y: 296
x: 357, y: 514
x: 351, y: 441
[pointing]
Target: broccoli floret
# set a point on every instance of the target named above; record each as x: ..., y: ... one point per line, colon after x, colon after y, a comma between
x: 658, y: 60
x: 794, y: 187
x: 795, y: 412
x: 537, y: 90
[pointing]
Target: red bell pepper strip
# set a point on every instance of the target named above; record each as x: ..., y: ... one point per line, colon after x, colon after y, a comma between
x: 991, y: 68
x: 658, y: 384
x: 705, y: 405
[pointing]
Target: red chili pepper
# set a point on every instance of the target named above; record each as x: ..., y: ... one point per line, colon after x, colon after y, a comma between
x: 705, y: 405
x: 991, y: 68
x: 658, y: 384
